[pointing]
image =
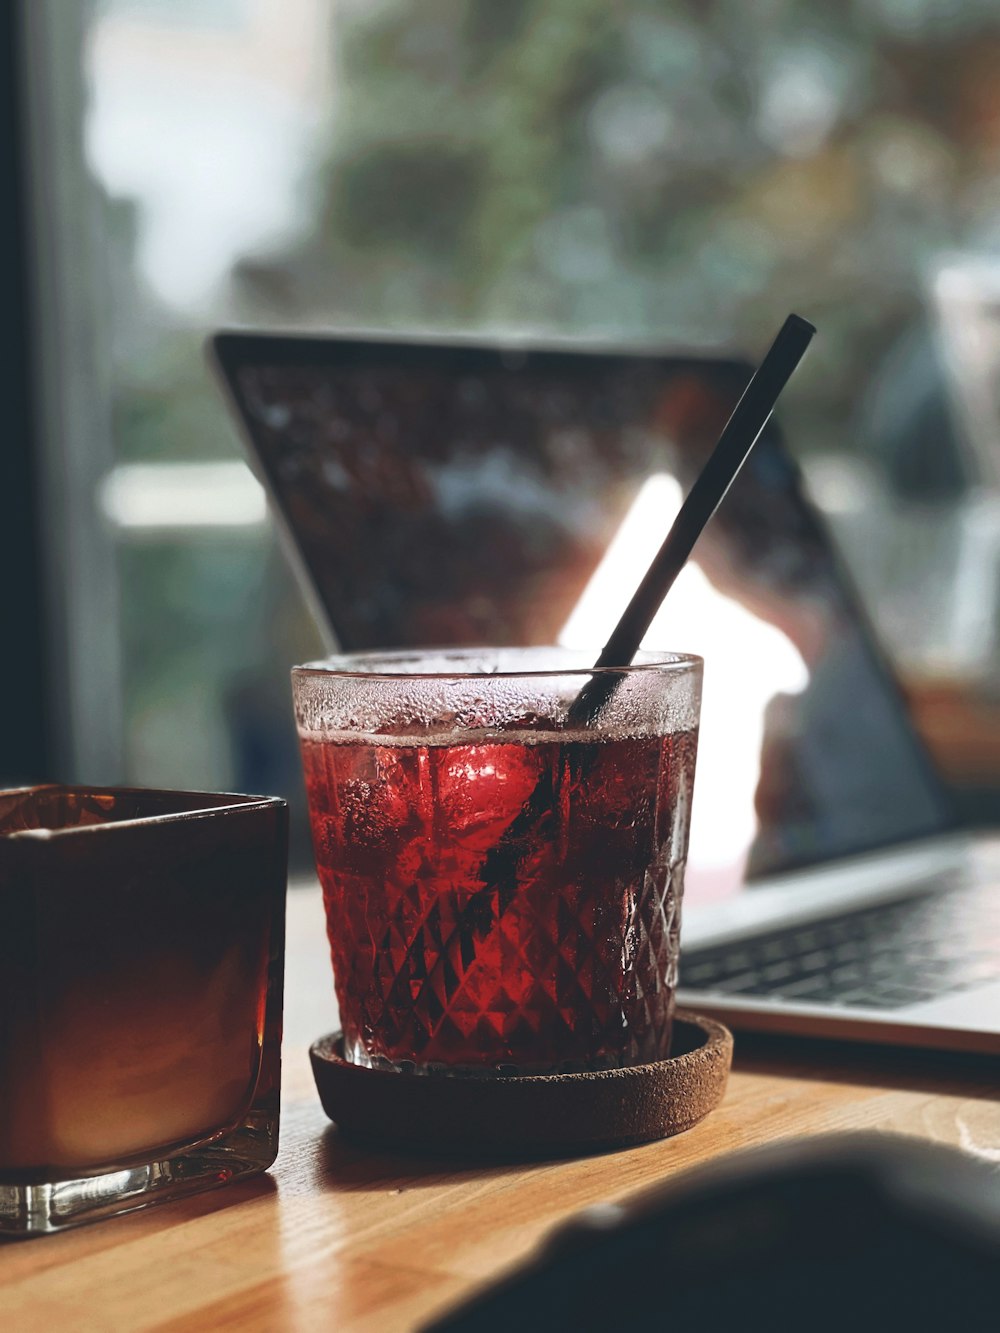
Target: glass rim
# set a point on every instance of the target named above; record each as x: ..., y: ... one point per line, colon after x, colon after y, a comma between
x: 233, y: 802
x: 339, y: 666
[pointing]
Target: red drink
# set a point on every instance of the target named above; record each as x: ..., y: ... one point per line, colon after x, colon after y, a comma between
x: 507, y: 901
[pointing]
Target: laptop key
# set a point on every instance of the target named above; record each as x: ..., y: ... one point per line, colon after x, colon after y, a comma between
x: 775, y: 972
x: 743, y: 981
x: 809, y: 988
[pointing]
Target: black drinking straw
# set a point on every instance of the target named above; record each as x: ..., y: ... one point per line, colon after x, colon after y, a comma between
x: 741, y: 433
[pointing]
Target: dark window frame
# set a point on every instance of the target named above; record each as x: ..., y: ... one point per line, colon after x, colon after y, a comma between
x: 26, y: 754
x: 67, y: 682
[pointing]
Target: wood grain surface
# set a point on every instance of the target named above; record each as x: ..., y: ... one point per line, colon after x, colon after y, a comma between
x: 340, y: 1238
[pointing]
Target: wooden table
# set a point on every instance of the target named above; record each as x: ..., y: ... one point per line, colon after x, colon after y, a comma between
x: 339, y: 1238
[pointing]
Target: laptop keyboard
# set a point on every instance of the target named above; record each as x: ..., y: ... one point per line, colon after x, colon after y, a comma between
x: 899, y: 953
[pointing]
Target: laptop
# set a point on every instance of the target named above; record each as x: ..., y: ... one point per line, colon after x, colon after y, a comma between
x: 441, y: 492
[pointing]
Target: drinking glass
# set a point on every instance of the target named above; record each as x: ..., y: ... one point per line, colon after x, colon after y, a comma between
x: 141, y: 953
x: 502, y: 884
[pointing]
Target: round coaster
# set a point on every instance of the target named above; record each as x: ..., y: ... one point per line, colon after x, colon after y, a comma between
x: 529, y: 1115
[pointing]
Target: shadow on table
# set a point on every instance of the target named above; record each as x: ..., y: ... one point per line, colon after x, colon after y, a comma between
x: 106, y: 1233
x: 352, y: 1164
x: 212, y: 1201
x: 948, y: 1073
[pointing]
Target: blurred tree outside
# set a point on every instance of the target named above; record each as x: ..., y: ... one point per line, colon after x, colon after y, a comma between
x: 683, y: 173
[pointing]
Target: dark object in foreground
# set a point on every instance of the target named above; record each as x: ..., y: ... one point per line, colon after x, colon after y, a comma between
x: 529, y: 1116
x: 852, y: 1232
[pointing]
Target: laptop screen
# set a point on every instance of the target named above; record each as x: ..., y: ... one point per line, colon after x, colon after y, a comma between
x: 453, y: 495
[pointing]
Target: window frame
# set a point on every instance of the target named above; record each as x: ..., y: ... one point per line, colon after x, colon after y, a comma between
x: 67, y: 679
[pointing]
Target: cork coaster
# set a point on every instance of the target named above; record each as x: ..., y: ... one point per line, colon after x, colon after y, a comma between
x: 529, y: 1116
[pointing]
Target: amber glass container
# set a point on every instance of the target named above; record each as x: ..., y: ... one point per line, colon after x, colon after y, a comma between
x: 141, y: 959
